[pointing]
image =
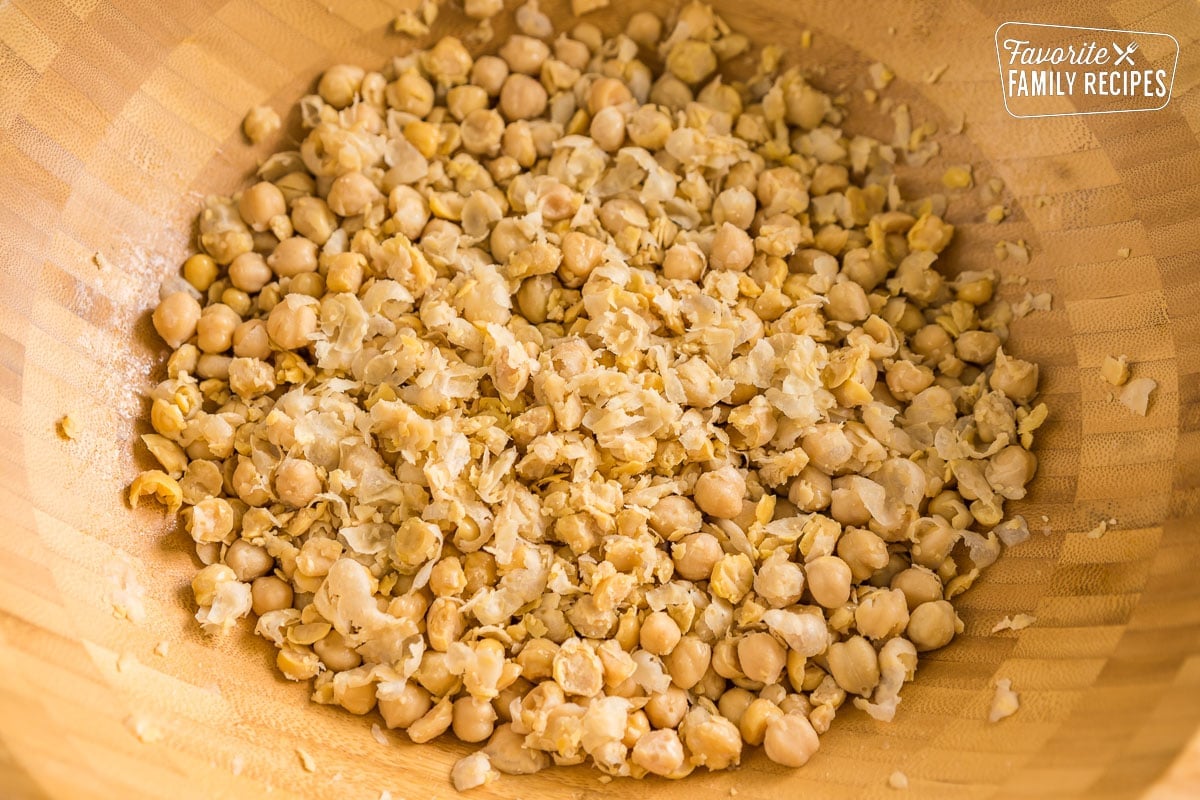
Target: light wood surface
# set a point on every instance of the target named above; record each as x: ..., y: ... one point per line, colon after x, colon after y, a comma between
x: 116, y: 116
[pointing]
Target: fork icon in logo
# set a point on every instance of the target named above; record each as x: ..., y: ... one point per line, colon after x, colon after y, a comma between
x: 1125, y: 54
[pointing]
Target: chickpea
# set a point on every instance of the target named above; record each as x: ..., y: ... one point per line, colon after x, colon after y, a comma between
x: 683, y: 262
x: 688, y: 661
x: 250, y: 340
x: 410, y: 211
x: 671, y: 92
x: 933, y: 625
x: 605, y: 92
x: 753, y: 724
x: 667, y: 709
x: 645, y: 28
x: 346, y: 272
x: 863, y: 552
x: 411, y: 94
x: 828, y: 447
x: 735, y: 205
x: 855, y: 665
x: 312, y: 219
x: 659, y: 752
x: 1009, y: 470
x: 403, y: 707
x: 292, y: 321
x: 336, y: 654
x: 732, y: 248
x: 719, y: 493
x: 270, y: 593
x: 474, y: 719
x: 176, y: 318
x: 260, y: 204
x: 829, y: 579
x: 881, y: 614
x: 811, y: 490
x: 932, y: 343
x: 249, y: 272
x: 608, y: 129
x: 350, y: 195
x: 310, y: 284
x: 713, y: 740
x: 692, y: 61
x: 847, y: 302
x: 573, y: 53
x: 790, y: 740
x: 905, y: 380
x: 210, y: 365
x: 522, y: 97
x: 977, y: 347
x: 214, y: 331
x: 200, y: 271
x: 297, y: 482
x: 580, y: 255
x: 659, y: 633
x: 482, y: 130
x: 517, y: 143
x: 524, y: 54
x: 533, y: 298
x: 462, y: 100
x: 648, y: 127
x: 248, y: 561
x: 447, y: 578
x: 725, y: 659
x: 695, y: 555
x: 293, y: 256
x: 734, y: 702
x: 674, y: 517
x: 1016, y: 378
x: 762, y: 657
x: 919, y: 585
x: 489, y: 74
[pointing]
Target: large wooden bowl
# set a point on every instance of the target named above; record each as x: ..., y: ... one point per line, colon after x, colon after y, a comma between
x: 117, y: 116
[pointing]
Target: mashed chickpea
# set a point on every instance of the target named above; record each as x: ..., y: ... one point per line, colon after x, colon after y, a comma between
x: 592, y: 400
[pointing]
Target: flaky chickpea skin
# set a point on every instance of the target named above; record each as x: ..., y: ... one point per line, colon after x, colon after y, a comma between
x: 719, y: 493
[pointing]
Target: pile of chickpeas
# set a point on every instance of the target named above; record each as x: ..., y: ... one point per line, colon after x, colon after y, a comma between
x: 588, y: 404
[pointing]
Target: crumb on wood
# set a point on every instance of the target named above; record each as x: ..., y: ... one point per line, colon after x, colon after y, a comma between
x: 1005, y: 701
x: 69, y: 427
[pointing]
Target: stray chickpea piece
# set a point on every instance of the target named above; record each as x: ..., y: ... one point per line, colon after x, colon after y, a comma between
x: 590, y: 405
x: 261, y: 123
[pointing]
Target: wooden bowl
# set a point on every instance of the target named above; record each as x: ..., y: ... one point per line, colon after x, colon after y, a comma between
x: 119, y: 116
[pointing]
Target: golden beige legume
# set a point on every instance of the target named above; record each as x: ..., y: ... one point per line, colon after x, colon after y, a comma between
x: 516, y: 408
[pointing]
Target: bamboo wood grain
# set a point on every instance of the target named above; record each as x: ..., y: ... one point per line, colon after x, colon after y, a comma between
x: 117, y: 116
